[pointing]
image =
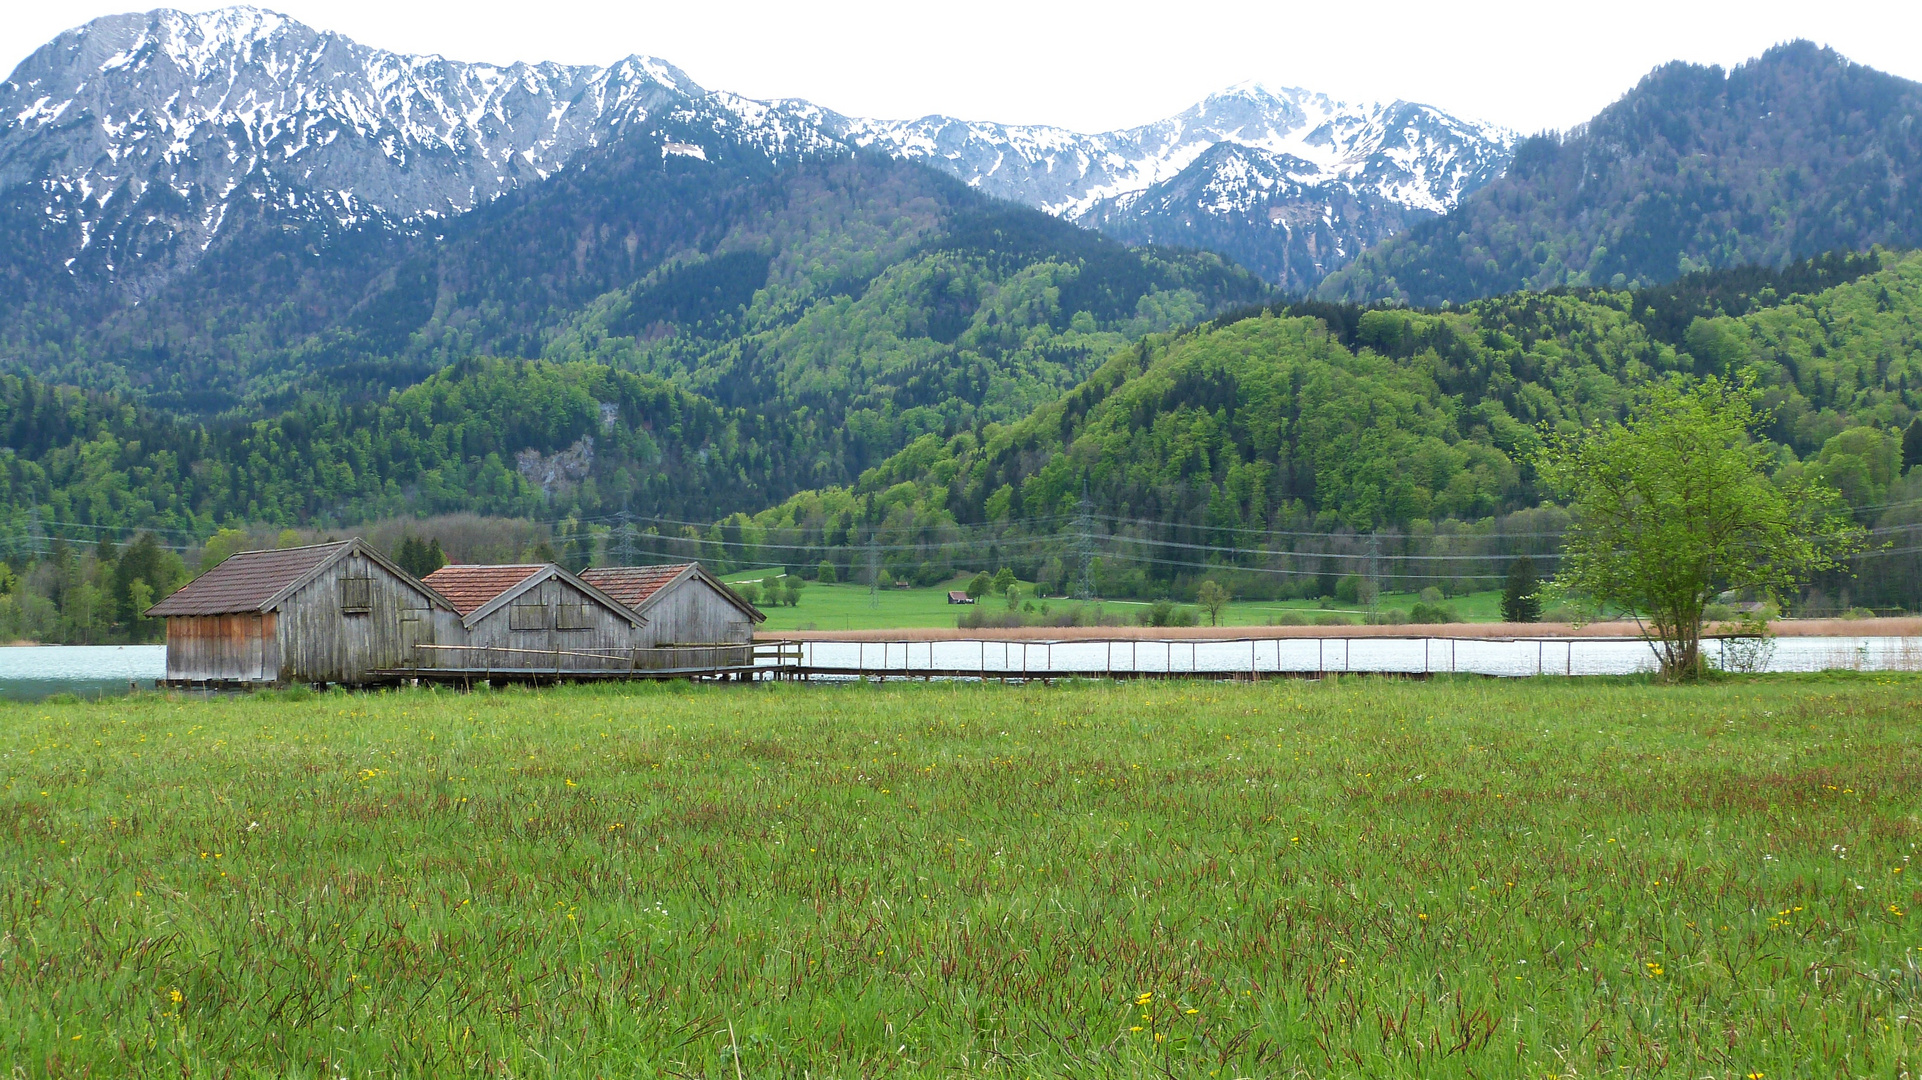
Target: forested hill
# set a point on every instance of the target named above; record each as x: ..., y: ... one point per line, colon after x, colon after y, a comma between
x: 506, y: 437
x: 1318, y: 416
x: 1792, y: 154
x: 855, y: 287
x: 1326, y: 418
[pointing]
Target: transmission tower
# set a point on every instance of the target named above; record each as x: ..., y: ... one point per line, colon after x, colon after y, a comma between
x: 625, y: 546
x: 1084, y: 547
x: 874, y: 572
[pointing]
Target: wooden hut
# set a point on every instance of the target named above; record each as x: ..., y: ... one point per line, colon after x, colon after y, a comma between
x: 534, y: 620
x: 327, y: 613
x: 686, y: 608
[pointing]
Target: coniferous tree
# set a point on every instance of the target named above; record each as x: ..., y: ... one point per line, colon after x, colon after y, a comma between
x: 1521, y: 600
x: 1912, y: 445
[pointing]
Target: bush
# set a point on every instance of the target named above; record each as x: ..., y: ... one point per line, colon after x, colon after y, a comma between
x: 825, y: 575
x: 1333, y: 620
x: 1165, y: 612
x: 1431, y: 595
x: 1290, y: 618
x: 980, y: 618
x: 1427, y: 614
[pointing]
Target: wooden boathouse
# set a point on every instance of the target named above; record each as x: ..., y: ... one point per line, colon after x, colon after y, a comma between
x: 686, y: 608
x: 531, y: 620
x: 327, y: 613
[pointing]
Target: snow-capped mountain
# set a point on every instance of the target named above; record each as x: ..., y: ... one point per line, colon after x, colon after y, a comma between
x: 136, y: 133
x: 1273, y: 213
x: 135, y: 138
x: 1411, y: 154
x: 1371, y: 168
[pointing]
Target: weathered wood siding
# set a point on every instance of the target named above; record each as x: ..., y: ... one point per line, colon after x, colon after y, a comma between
x: 608, y: 639
x: 320, y: 641
x: 690, y: 611
x: 223, y: 648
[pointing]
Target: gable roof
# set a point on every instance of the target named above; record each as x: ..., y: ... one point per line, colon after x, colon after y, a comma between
x: 251, y: 581
x: 640, y: 586
x: 470, y: 587
x: 634, y: 585
x: 483, y: 590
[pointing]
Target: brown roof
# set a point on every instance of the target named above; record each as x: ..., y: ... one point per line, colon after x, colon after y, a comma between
x: 469, y: 588
x: 632, y: 585
x: 246, y: 581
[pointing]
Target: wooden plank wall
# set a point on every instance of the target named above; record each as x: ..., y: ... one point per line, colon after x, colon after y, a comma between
x: 320, y: 643
x: 222, y: 648
x: 692, y: 611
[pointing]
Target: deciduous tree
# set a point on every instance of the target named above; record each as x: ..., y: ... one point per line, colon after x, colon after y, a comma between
x: 1679, y: 504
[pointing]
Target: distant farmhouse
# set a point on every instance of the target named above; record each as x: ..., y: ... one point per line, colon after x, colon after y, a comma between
x: 343, y: 613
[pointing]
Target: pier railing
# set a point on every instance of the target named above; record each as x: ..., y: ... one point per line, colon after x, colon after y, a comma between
x: 486, y: 660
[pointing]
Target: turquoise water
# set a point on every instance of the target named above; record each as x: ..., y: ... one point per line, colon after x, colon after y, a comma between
x: 32, y: 673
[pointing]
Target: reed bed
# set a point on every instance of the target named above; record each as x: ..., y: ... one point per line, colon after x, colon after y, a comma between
x: 1362, y: 877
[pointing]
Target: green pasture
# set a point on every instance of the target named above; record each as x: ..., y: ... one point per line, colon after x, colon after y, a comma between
x: 1362, y: 877
x: 853, y: 607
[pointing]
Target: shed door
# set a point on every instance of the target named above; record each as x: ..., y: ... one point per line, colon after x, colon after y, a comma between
x: 416, y: 628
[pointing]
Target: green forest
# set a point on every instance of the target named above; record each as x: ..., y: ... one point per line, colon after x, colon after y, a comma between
x: 1353, y: 427
x: 1337, y: 430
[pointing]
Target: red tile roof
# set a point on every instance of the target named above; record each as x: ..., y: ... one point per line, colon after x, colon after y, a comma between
x: 246, y: 581
x: 632, y: 585
x: 469, y: 588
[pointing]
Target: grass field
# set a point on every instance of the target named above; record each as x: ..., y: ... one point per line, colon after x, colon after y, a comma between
x: 851, y: 607
x: 1355, y: 878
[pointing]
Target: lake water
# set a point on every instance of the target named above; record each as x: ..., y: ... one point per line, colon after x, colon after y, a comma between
x: 30, y: 674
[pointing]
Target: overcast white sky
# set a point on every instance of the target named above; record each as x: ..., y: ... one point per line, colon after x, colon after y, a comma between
x: 1095, y: 66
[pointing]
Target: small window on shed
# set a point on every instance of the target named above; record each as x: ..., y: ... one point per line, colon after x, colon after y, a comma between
x: 356, y: 595
x: 574, y: 617
x: 527, y: 617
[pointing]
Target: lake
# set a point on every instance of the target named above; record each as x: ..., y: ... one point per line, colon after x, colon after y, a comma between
x: 32, y: 673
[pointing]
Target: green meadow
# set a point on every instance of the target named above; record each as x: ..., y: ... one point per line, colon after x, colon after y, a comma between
x: 1360, y: 877
x: 842, y: 606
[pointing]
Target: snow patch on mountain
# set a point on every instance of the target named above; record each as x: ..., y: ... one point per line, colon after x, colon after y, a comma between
x: 1413, y: 155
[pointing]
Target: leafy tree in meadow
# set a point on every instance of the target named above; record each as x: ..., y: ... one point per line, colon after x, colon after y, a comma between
x: 980, y: 585
x: 1003, y: 581
x: 1213, y: 597
x: 1677, y: 505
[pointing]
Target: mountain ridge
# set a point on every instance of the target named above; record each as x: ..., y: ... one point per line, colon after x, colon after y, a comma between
x: 1796, y: 152
x: 129, y: 137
